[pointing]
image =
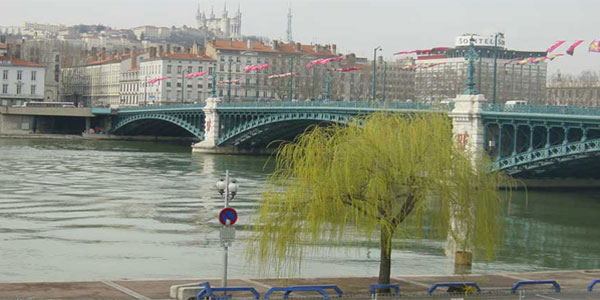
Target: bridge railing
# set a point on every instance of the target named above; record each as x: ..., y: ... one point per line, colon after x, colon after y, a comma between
x: 542, y: 109
x: 162, y: 107
x: 337, y: 104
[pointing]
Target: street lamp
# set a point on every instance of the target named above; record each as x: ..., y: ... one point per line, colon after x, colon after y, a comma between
x: 499, y: 34
x: 227, y: 189
x: 375, y: 71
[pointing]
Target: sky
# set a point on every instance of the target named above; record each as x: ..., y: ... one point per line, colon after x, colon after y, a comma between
x: 355, y: 26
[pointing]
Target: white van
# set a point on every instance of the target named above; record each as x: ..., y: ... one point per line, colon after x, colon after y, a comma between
x: 515, y: 102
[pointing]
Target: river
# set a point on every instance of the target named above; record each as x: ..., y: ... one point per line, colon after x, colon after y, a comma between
x: 93, y: 210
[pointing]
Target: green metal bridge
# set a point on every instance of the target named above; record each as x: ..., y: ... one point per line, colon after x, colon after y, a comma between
x: 525, y: 140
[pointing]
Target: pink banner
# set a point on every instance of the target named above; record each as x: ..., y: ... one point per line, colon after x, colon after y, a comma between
x: 193, y: 75
x: 512, y: 60
x: 556, y: 45
x: 256, y: 67
x: 571, y: 49
x: 155, y: 80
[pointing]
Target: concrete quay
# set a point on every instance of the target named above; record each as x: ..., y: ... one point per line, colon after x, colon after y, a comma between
x: 494, y: 286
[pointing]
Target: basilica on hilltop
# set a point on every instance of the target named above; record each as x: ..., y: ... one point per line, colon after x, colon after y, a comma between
x: 223, y: 27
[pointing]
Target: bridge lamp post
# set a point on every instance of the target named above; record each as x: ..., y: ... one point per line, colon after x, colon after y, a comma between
x: 384, y: 79
x: 496, y: 36
x: 229, y: 81
x: 328, y: 86
x: 183, y: 85
x: 228, y: 189
x: 145, y: 90
x: 375, y: 71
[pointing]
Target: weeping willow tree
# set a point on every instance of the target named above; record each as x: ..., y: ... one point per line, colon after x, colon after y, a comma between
x: 387, y: 175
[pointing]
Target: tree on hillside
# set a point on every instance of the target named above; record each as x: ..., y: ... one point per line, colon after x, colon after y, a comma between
x: 389, y: 175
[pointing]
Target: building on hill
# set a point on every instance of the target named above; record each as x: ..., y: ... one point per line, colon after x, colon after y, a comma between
x: 223, y: 27
x: 20, y: 81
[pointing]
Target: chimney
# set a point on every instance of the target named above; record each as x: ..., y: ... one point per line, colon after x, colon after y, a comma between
x: 334, y: 49
x: 103, y: 53
x: 152, y: 52
x: 250, y: 44
x: 161, y: 50
x: 133, y: 57
x: 169, y: 49
x: 188, y: 50
x: 114, y: 54
x: 298, y: 47
x: 274, y: 44
x: 231, y: 42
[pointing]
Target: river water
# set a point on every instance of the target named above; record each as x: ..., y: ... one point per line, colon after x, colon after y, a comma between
x: 91, y: 210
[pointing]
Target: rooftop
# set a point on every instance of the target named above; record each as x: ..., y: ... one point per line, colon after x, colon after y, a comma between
x: 279, y: 48
x: 18, y: 62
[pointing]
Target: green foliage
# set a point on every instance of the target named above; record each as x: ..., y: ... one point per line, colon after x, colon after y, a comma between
x: 386, y: 174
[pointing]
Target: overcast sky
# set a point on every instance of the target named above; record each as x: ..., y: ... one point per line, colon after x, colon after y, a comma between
x: 354, y: 25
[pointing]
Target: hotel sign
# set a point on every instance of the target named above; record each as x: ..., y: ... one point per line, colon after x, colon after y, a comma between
x: 488, y: 41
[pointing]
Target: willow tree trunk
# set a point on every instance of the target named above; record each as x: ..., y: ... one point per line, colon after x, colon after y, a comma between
x: 385, y: 262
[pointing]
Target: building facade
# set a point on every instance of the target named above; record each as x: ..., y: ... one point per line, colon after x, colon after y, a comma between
x: 441, y: 74
x: 223, y: 27
x: 122, y: 79
x: 176, y: 88
x: 20, y: 81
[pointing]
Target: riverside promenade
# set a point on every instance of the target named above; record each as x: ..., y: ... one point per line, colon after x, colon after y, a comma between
x: 573, y: 284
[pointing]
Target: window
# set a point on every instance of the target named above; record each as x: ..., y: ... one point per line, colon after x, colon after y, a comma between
x: 199, y: 95
x: 237, y: 59
x: 179, y: 84
x: 19, y: 75
x: 210, y: 71
x: 210, y: 85
x: 199, y: 85
x: 237, y: 68
x: 168, y: 69
x: 222, y: 67
x: 178, y: 69
x: 189, y: 86
x: 5, y: 74
x: 33, y: 73
x: 5, y: 89
x: 168, y: 84
x: 200, y: 69
x: 57, y: 58
x: 19, y: 89
x: 33, y: 89
x: 190, y: 70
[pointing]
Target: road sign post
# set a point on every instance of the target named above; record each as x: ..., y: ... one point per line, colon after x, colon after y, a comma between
x: 228, y: 217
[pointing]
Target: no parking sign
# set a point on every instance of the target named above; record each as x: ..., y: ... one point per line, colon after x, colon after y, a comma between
x: 228, y: 214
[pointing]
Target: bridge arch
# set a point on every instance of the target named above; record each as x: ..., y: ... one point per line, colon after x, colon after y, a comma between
x: 262, y: 129
x: 193, y: 124
x: 575, y: 159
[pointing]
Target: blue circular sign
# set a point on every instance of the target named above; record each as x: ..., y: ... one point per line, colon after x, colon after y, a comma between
x: 228, y: 214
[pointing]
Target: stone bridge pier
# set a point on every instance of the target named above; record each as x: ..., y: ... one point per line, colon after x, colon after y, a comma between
x: 212, y: 127
x: 467, y: 122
